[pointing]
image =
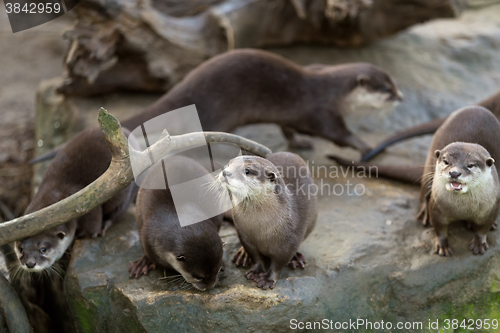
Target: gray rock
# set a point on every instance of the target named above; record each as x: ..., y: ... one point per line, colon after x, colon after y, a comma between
x: 368, y: 257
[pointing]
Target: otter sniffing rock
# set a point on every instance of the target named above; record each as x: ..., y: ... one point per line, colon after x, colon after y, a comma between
x: 195, y: 251
x: 274, y: 210
x: 78, y: 164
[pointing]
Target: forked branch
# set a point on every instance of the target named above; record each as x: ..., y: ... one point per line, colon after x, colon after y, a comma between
x: 118, y: 176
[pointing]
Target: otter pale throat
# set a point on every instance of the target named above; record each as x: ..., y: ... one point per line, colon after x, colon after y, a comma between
x: 271, y: 216
x: 249, y: 86
x: 465, y: 187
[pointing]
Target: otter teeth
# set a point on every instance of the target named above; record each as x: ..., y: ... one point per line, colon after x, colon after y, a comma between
x: 456, y: 186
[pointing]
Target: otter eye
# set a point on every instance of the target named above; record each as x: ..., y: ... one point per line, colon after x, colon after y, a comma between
x: 20, y: 250
x: 247, y: 172
x: 43, y: 250
x: 445, y: 162
x: 470, y: 166
x: 181, y: 258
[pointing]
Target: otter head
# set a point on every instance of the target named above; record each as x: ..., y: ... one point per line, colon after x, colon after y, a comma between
x: 250, y: 177
x: 197, y: 255
x: 373, y: 88
x: 461, y: 167
x: 41, y: 251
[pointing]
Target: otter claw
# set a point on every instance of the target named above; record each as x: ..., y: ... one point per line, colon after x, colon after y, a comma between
x: 443, y: 249
x: 141, y: 267
x: 241, y: 258
x: 478, y: 246
x: 298, y: 260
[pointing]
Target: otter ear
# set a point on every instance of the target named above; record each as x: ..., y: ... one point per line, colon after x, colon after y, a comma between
x: 271, y: 175
x: 490, y: 161
x: 362, y: 79
x: 437, y: 153
x: 181, y: 258
x: 61, y: 235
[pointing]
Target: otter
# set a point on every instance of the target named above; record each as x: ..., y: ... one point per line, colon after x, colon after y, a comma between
x: 270, y: 212
x: 464, y: 188
x: 78, y: 164
x: 492, y: 103
x: 195, y: 251
x: 471, y: 125
x: 249, y: 86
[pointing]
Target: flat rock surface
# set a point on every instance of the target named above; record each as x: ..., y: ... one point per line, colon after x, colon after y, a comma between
x: 368, y: 258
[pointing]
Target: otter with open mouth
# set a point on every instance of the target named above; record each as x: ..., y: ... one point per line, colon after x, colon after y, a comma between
x: 465, y: 188
x: 270, y: 212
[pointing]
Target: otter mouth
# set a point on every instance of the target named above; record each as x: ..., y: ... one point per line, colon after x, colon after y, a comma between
x: 456, y: 186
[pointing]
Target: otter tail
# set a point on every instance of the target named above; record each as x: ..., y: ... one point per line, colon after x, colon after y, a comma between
x: 47, y: 156
x: 422, y: 129
x: 404, y: 173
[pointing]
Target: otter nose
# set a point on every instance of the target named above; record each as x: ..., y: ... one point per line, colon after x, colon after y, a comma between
x: 455, y: 174
x: 226, y: 173
x: 30, y: 264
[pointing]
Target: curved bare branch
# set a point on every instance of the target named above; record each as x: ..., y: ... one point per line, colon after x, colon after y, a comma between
x: 118, y: 176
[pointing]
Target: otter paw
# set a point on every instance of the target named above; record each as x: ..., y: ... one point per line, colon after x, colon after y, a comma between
x: 241, y: 258
x: 298, y: 260
x: 443, y: 249
x: 478, y: 246
x: 265, y: 282
x: 141, y: 267
x: 250, y: 275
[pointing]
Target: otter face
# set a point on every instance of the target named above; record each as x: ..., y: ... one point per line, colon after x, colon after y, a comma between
x: 200, y: 265
x: 374, y: 89
x: 39, y: 252
x: 249, y: 177
x: 462, y: 167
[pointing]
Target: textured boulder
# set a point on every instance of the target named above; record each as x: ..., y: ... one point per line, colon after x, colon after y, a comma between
x: 368, y: 257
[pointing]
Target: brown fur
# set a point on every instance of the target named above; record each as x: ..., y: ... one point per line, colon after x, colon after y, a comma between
x: 197, y: 248
x: 479, y: 132
x: 274, y: 216
x: 253, y: 86
x: 492, y: 103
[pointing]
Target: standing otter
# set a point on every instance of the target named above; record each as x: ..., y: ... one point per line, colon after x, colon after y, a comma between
x: 492, y: 103
x: 195, y: 251
x: 273, y: 210
x: 464, y: 188
x: 78, y: 164
x: 472, y: 125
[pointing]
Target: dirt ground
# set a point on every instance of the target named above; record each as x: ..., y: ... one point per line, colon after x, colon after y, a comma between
x: 27, y: 58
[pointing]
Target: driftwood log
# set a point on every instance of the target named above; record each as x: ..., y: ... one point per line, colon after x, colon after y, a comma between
x: 150, y: 45
x: 118, y: 176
